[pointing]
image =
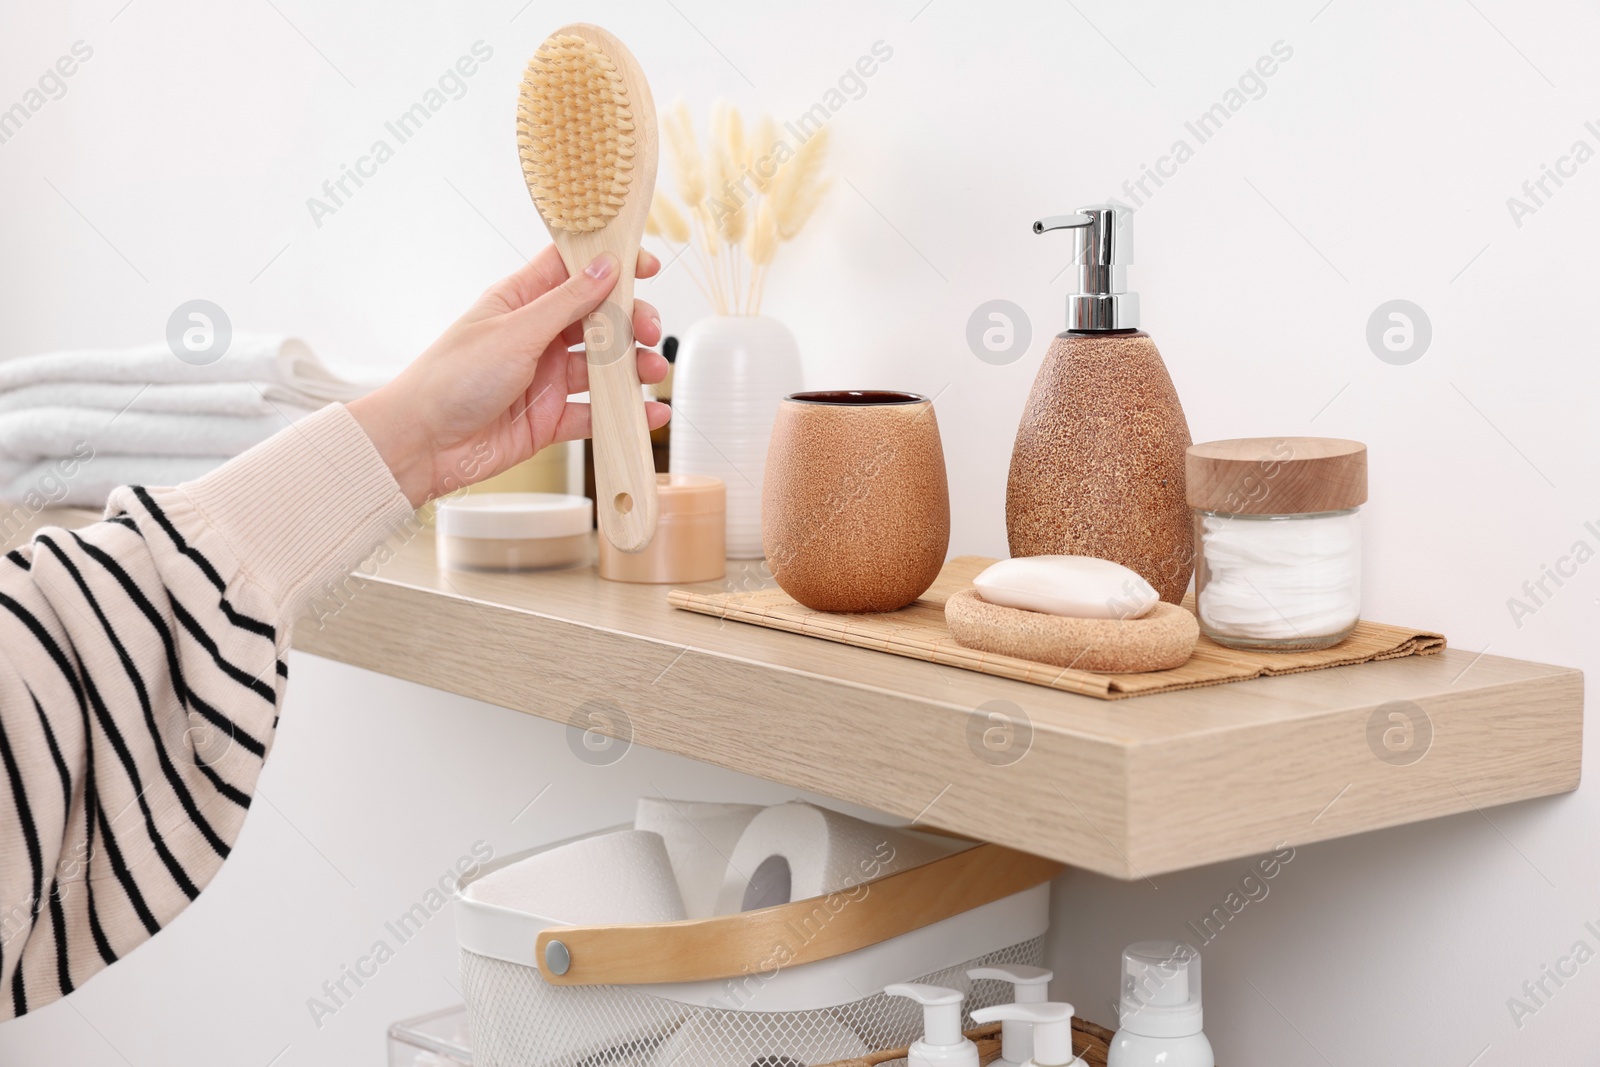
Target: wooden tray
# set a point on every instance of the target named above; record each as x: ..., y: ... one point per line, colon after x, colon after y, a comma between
x: 918, y: 631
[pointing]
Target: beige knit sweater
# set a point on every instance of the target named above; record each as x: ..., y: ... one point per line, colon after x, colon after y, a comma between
x: 142, y: 662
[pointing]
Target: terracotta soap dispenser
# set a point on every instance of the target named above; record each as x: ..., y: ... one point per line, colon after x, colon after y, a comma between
x: 1098, y: 467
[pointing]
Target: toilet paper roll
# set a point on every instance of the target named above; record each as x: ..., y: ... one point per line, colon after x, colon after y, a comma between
x: 798, y: 851
x: 700, y: 839
x: 760, y: 1040
x: 621, y: 877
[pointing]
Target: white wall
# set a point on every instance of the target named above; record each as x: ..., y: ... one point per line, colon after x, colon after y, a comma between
x: 1376, y: 166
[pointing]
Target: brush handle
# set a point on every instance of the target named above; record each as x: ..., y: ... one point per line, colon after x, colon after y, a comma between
x: 624, y: 466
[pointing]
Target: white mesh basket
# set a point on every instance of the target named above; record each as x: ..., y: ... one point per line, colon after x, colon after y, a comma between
x: 788, y: 986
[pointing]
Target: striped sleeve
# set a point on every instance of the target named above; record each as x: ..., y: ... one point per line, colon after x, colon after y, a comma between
x: 142, y: 663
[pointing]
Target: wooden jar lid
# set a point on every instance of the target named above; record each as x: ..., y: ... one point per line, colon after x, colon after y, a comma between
x: 1277, y: 475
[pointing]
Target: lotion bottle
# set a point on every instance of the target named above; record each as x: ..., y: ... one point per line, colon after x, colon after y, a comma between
x: 1052, y: 1030
x: 942, y: 1043
x: 1098, y: 465
x: 1159, y: 1021
x: 1030, y: 985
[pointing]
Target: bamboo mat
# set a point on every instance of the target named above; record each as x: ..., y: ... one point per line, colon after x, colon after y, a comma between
x: 918, y: 631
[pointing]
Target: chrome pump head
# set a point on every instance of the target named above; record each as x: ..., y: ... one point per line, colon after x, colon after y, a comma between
x: 1102, y: 248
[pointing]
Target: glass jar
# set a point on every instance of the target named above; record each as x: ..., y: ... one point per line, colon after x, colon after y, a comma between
x: 1277, y: 540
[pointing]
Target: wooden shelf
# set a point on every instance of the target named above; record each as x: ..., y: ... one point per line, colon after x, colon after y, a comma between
x: 1128, y: 788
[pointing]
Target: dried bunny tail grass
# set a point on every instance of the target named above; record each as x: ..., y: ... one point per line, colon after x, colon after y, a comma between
x: 762, y: 149
x: 708, y: 248
x: 798, y: 211
x: 798, y: 186
x: 727, y: 194
x: 687, y: 165
x: 665, y: 221
x: 762, y: 247
x: 728, y: 207
x: 733, y: 137
x: 706, y: 230
x: 763, y: 242
x: 575, y: 134
x: 746, y: 193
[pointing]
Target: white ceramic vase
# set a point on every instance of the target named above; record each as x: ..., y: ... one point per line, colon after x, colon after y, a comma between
x: 732, y: 372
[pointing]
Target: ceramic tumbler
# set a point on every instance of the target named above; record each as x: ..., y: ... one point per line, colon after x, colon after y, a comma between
x: 855, y: 509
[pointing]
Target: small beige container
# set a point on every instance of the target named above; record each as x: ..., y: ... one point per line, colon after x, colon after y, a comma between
x: 513, y: 531
x: 690, y: 544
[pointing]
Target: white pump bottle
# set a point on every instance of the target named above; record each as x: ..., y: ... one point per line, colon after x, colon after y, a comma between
x: 1052, y: 1030
x: 1160, y: 1019
x: 1031, y: 985
x: 942, y: 1043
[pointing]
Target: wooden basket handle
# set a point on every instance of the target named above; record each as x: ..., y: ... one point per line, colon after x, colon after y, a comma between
x: 697, y: 950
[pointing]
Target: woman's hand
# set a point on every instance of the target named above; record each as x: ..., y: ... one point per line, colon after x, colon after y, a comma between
x: 493, y: 389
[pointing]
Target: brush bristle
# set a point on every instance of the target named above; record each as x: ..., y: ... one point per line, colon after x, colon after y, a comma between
x: 575, y: 134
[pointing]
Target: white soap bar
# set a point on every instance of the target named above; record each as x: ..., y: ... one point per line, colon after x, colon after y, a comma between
x: 1081, y: 587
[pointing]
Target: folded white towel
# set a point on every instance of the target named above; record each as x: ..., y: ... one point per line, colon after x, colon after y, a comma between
x: 41, y: 433
x: 204, y: 398
x: 85, y: 483
x: 284, y: 361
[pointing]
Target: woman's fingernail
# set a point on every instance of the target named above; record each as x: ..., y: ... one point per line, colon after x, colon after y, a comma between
x: 655, y: 320
x: 601, y: 266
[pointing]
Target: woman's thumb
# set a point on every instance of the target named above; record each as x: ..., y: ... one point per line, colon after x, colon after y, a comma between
x: 572, y: 299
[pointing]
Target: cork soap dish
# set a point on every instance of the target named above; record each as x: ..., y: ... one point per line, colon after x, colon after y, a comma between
x: 1083, y: 612
x: 1161, y: 640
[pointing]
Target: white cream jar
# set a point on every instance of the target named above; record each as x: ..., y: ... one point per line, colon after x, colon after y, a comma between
x: 1278, y: 540
x: 513, y: 531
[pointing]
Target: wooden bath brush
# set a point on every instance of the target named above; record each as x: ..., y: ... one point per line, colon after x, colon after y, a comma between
x: 586, y: 132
